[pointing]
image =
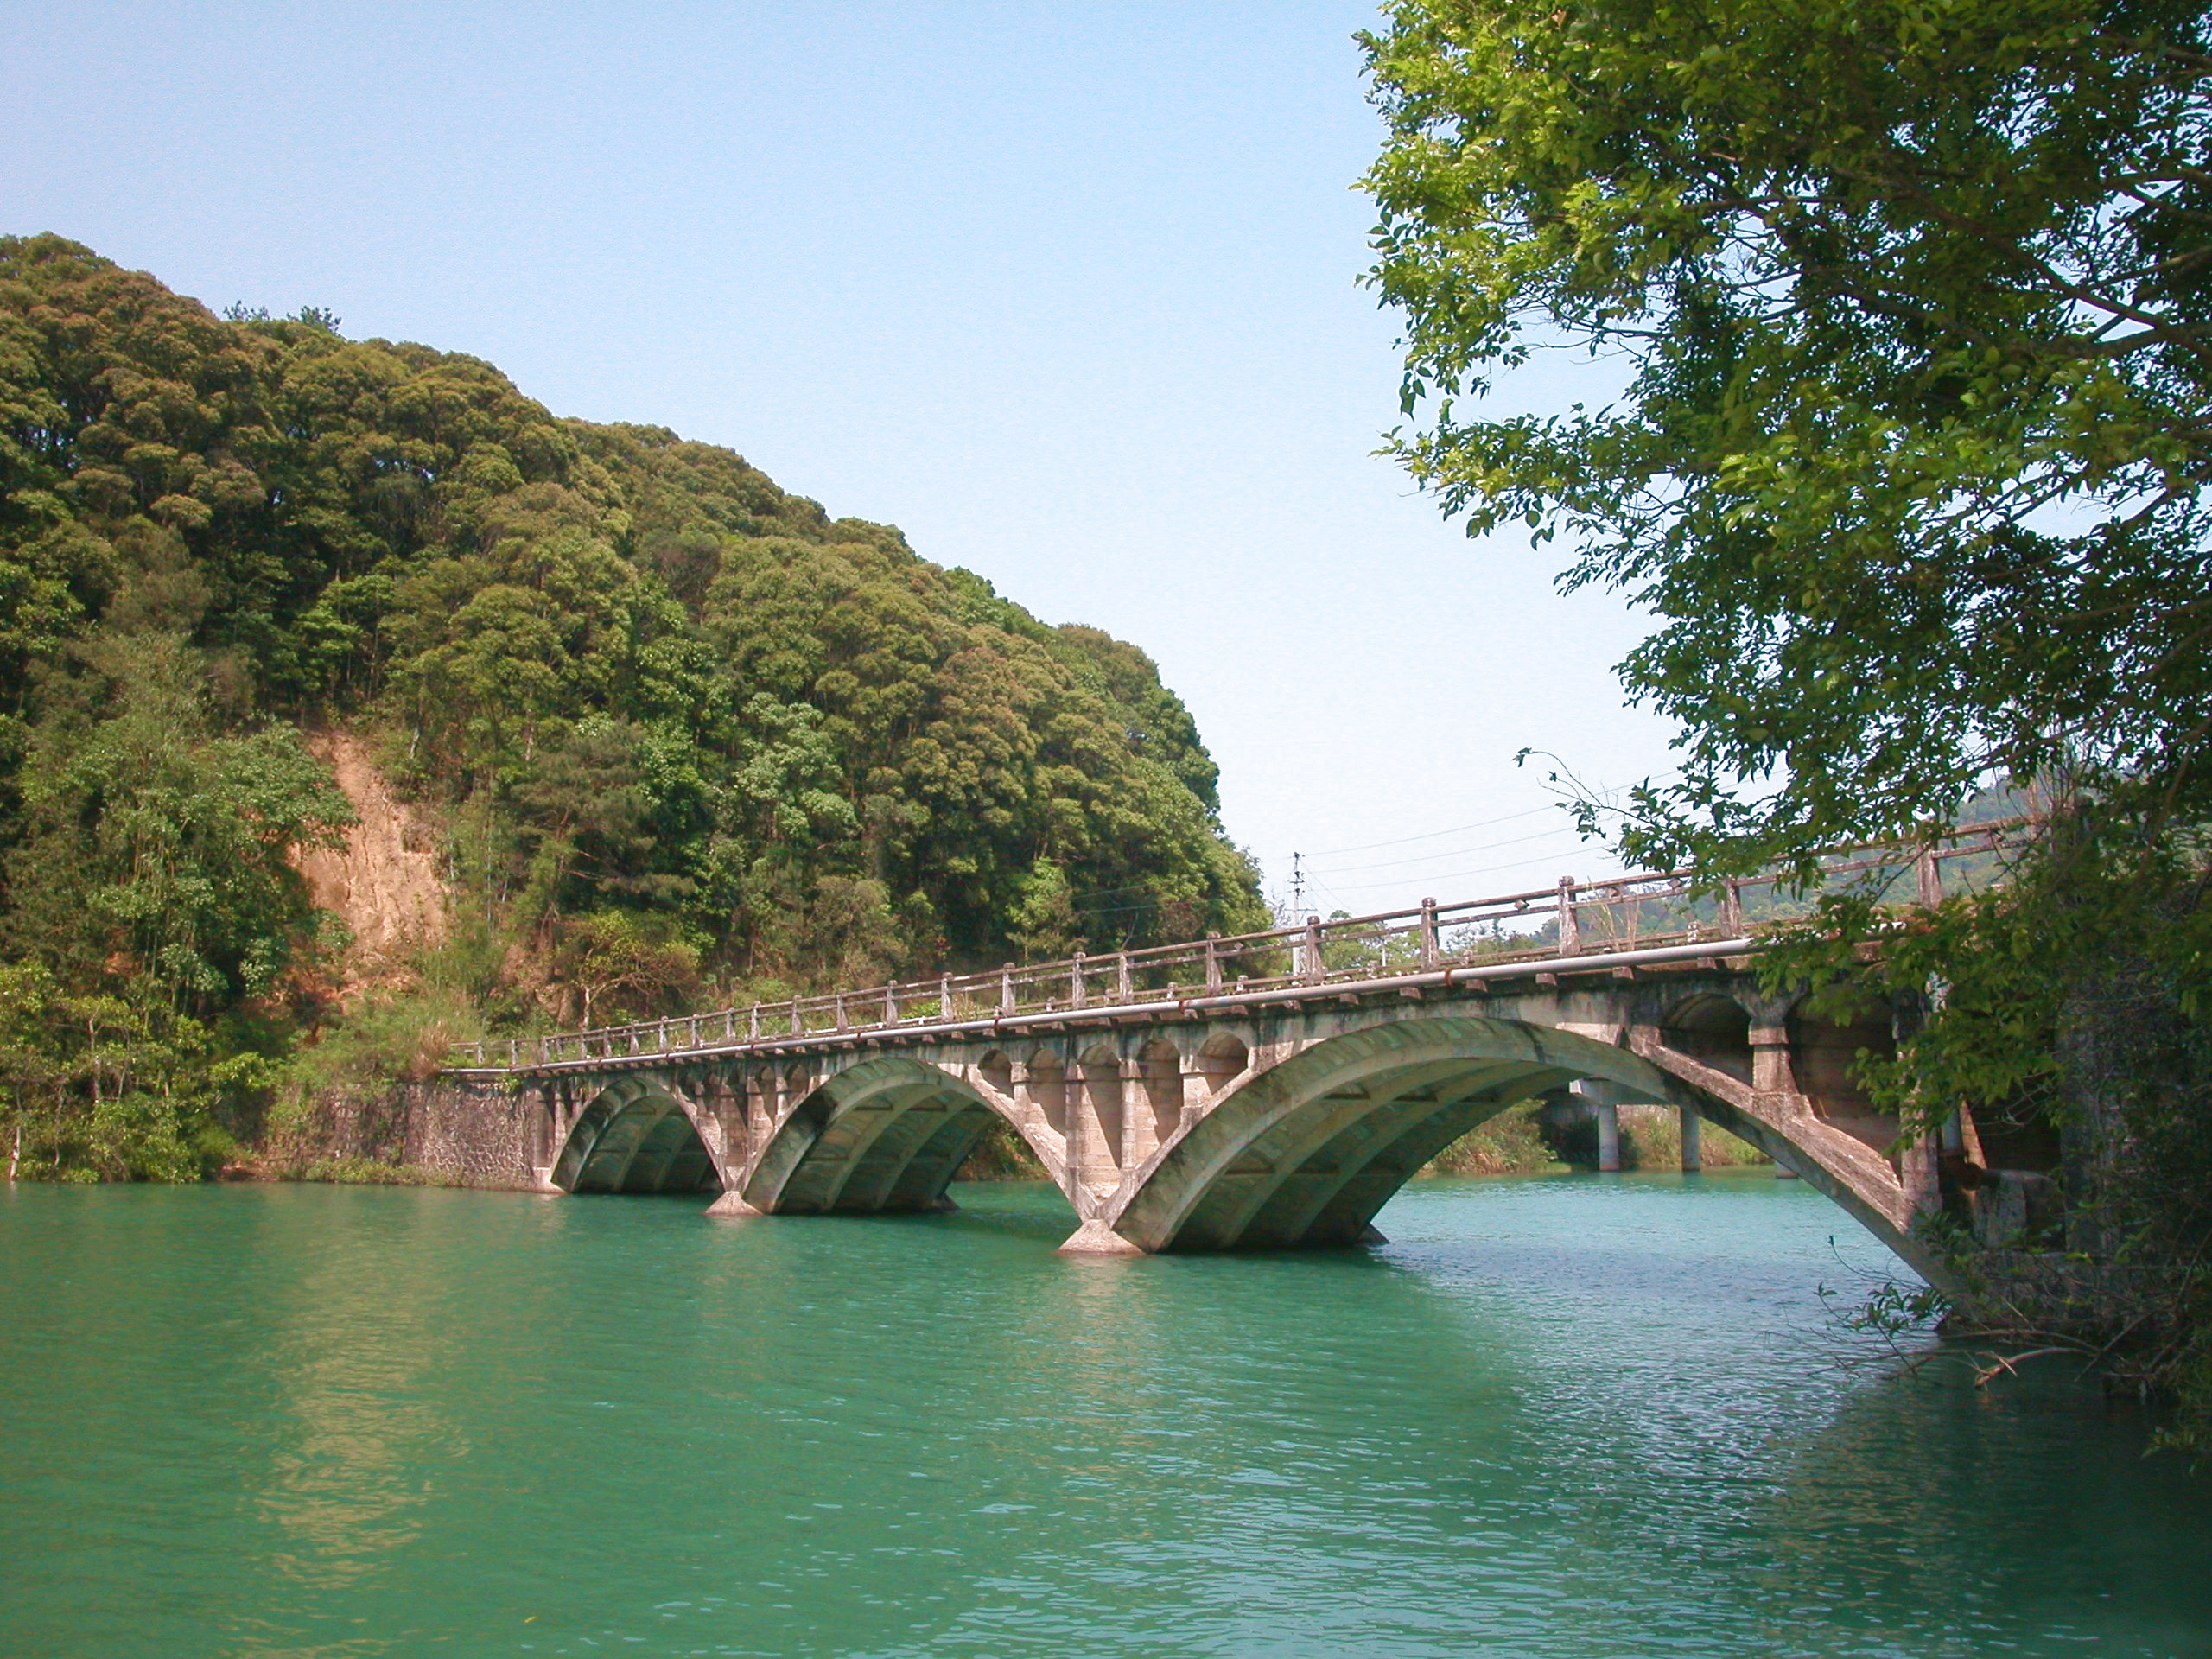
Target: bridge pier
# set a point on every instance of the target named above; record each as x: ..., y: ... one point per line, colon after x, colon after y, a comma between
x: 1693, y: 1152
x: 1605, y: 1100
x: 1094, y: 1237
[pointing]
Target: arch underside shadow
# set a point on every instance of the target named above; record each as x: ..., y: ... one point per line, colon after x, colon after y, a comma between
x: 1308, y: 1152
x: 886, y: 1136
x: 1317, y: 1176
x: 635, y: 1141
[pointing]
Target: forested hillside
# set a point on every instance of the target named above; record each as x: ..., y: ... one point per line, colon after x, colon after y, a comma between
x: 681, y: 733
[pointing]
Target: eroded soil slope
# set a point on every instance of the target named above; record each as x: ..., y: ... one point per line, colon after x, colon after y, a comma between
x: 385, y: 882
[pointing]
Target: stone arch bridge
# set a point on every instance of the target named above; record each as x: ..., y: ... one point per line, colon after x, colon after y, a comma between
x: 1270, y: 1091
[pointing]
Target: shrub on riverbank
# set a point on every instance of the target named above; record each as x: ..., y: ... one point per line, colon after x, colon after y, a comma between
x: 1002, y: 1155
x: 368, y: 1171
x: 1512, y: 1143
x: 1527, y: 1139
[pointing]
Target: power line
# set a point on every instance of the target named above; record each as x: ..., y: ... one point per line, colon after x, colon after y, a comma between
x: 1462, y: 875
x: 1457, y: 852
x: 1433, y: 834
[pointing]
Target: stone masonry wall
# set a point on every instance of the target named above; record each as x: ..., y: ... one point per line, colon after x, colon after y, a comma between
x: 479, y: 1137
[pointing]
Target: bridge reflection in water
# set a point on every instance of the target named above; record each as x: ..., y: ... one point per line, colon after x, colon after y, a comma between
x: 1266, y: 1090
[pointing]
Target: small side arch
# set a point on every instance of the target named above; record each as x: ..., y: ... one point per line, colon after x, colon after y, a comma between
x: 1096, y: 1110
x: 1716, y: 1030
x: 1047, y: 1075
x: 1222, y: 1060
x: 1824, y: 1050
x: 1160, y: 1068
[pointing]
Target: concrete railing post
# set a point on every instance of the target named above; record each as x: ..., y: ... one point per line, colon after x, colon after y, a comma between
x: 1006, y: 1004
x: 1075, y: 987
x: 945, y: 997
x: 752, y: 1024
x: 1927, y: 869
x: 839, y: 1005
x: 1570, y: 932
x: 1213, y: 965
x: 891, y: 1005
x: 1732, y: 910
x: 1122, y: 991
x: 1429, y: 955
x: 1313, y: 969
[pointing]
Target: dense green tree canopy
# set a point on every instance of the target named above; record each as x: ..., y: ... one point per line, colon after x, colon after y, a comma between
x: 1903, y: 315
x: 1912, y: 304
x: 684, y: 730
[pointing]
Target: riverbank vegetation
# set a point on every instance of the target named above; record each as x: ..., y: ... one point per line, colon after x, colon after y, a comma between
x: 1914, y: 310
x: 663, y: 731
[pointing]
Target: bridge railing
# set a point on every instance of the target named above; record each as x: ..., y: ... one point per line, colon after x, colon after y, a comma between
x: 1570, y: 918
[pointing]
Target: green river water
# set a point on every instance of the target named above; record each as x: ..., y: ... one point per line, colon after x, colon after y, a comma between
x: 1569, y: 1417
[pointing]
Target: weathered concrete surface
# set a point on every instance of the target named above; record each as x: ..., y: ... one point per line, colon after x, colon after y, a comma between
x: 1286, y: 1118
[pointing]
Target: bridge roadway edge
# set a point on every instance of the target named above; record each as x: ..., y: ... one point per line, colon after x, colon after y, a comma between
x: 781, y: 1135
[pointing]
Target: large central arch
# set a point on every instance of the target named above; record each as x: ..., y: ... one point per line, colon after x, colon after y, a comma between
x: 1307, y: 1151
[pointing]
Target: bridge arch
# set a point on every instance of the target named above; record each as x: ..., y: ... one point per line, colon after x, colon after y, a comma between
x: 1714, y: 1028
x: 885, y: 1135
x: 636, y: 1136
x: 1097, y: 1110
x: 1047, y: 1083
x: 1306, y: 1151
x: 1159, y: 1069
x: 1221, y: 1061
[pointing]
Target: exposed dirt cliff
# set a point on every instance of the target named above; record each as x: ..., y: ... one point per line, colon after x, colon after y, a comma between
x: 385, y: 882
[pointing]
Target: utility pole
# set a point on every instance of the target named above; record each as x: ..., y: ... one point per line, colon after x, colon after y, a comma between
x: 1297, y: 888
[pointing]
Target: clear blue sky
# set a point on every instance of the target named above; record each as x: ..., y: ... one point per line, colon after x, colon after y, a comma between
x: 1067, y: 292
